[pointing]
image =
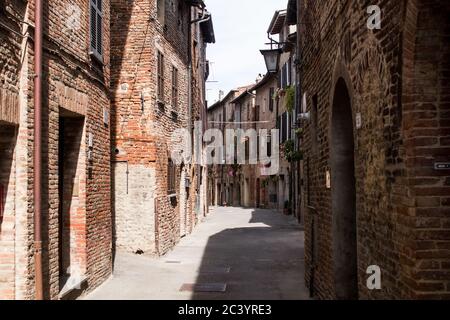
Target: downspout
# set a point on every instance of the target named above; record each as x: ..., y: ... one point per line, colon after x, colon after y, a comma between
x: 38, y: 149
x: 205, y: 17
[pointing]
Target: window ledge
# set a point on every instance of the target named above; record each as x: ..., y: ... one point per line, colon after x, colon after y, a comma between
x: 96, y: 57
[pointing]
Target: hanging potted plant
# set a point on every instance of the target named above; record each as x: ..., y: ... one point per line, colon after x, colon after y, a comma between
x: 290, y: 153
x: 290, y: 99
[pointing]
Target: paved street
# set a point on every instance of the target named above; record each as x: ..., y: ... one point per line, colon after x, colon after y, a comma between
x: 252, y: 254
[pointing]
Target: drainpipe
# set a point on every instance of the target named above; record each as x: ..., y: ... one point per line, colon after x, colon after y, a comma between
x: 205, y: 17
x: 37, y: 149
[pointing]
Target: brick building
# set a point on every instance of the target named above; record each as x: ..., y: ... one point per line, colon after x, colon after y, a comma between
x: 160, y: 67
x: 266, y: 186
x: 375, y: 192
x: 75, y: 191
x: 217, y: 115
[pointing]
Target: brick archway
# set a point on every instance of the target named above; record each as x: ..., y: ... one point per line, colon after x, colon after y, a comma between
x: 343, y: 194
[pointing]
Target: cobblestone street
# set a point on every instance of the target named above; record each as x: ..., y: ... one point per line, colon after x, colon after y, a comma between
x: 250, y: 254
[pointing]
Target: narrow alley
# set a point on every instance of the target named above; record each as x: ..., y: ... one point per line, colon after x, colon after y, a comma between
x: 235, y: 254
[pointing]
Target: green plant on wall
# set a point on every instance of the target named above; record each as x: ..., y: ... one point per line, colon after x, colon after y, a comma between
x: 290, y: 153
x: 290, y: 99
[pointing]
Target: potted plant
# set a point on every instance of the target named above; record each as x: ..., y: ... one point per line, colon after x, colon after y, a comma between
x: 290, y: 99
x: 290, y: 153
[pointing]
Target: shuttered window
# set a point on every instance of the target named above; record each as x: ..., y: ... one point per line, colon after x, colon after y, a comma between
x: 271, y: 99
x: 171, y: 174
x: 160, y: 72
x: 174, y: 87
x: 96, y: 28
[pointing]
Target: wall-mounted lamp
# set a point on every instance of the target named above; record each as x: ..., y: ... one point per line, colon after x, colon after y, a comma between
x: 272, y: 59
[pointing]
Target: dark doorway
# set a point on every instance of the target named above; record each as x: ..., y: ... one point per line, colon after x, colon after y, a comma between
x: 258, y: 193
x: 343, y: 195
x: 72, y: 210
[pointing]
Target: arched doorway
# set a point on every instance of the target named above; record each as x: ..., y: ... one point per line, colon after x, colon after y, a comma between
x: 343, y: 195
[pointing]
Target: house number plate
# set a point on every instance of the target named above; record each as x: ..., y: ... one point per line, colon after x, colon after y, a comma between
x: 442, y: 166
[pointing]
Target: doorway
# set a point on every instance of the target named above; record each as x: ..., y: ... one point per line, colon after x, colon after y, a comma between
x: 72, y: 201
x: 258, y: 193
x: 343, y: 194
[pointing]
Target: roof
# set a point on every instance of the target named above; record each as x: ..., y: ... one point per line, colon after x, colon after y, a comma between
x: 277, y: 23
x: 243, y: 91
x: 219, y: 103
x: 207, y: 29
x: 265, y: 80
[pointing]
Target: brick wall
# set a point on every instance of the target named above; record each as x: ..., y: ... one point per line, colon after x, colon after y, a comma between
x: 74, y: 86
x: 377, y: 67
x: 7, y: 211
x: 142, y: 128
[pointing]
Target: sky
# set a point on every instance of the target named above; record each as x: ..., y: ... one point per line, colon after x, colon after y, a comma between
x: 240, y: 28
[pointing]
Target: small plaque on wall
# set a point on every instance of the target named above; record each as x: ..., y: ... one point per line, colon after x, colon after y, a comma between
x: 328, y: 179
x: 358, y: 121
x: 442, y: 166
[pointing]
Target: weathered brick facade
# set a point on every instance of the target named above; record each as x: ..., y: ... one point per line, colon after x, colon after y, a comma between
x: 76, y: 222
x: 145, y: 118
x: 379, y: 124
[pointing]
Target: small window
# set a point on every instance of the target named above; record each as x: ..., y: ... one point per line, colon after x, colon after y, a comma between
x: 257, y: 111
x: 160, y: 76
x: 247, y: 149
x: 174, y: 87
x: 171, y: 174
x: 271, y: 99
x: 161, y: 10
x: 96, y: 25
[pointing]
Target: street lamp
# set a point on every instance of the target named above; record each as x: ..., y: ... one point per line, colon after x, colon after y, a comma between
x: 272, y: 58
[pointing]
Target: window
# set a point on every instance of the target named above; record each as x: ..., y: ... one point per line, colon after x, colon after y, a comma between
x: 247, y: 149
x: 160, y: 76
x: 171, y: 173
x: 257, y: 111
x: 161, y: 10
x: 271, y: 98
x: 284, y: 127
x: 269, y: 144
x: 96, y: 48
x: 174, y: 87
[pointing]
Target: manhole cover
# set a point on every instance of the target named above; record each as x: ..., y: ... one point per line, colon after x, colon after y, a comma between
x: 219, y: 270
x: 204, y: 287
